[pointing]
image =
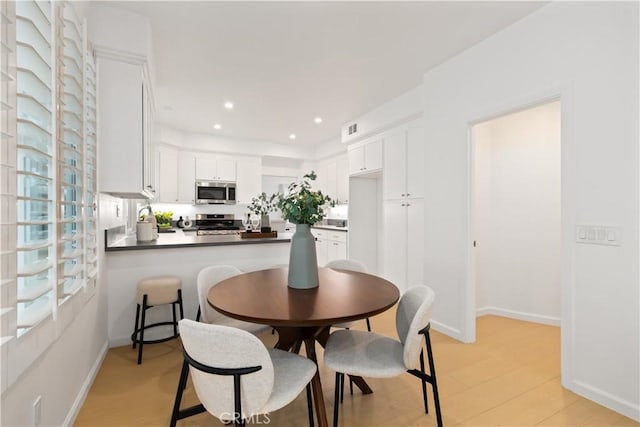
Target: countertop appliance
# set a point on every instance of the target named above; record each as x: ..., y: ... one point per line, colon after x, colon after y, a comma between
x: 215, y: 224
x: 215, y: 192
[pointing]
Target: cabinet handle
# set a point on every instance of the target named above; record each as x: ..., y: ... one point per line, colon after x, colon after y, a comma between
x: 403, y: 204
x: 408, y: 204
x: 402, y: 195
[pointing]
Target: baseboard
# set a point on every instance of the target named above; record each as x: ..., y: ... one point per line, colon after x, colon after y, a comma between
x: 518, y: 315
x: 626, y: 408
x: 119, y: 342
x: 447, y: 330
x: 86, y: 386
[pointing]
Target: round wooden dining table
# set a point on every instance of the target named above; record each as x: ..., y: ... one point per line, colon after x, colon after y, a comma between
x: 304, y: 315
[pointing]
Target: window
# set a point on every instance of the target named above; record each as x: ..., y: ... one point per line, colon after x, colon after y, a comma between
x: 48, y: 164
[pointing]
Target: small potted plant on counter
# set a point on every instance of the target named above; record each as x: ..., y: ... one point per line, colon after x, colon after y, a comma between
x: 262, y: 206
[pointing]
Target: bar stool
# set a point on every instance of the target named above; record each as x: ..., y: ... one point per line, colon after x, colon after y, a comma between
x: 154, y: 291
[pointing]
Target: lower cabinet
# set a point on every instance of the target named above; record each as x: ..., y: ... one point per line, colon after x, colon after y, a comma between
x: 403, y: 242
x: 322, y: 246
x: 330, y: 245
x: 337, y: 245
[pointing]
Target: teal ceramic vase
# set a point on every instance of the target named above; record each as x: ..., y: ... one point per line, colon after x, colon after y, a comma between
x: 303, y: 264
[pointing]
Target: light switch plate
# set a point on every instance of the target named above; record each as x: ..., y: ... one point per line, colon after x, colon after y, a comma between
x: 598, y: 235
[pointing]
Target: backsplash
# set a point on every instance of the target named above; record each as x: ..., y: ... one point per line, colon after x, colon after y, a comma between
x: 185, y: 210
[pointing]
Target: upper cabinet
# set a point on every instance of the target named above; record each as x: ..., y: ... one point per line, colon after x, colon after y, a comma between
x: 333, y: 178
x: 124, y: 109
x: 167, y: 174
x: 215, y: 168
x: 177, y: 172
x: 249, y: 179
x: 403, y: 164
x: 365, y: 158
x: 187, y: 177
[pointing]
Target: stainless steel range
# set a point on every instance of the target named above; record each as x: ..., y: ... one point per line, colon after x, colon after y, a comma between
x: 216, y: 224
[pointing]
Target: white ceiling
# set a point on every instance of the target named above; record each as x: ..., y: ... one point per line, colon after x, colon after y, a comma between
x: 284, y: 63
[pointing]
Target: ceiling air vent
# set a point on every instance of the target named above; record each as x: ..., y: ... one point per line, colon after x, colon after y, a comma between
x: 353, y: 129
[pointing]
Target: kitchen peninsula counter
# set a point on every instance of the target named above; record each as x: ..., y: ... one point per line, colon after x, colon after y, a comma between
x: 180, y: 254
x: 180, y: 239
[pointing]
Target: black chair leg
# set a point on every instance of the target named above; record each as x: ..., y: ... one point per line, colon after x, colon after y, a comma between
x: 368, y: 325
x: 341, y: 389
x: 434, y: 384
x: 309, y: 405
x: 144, y: 311
x: 135, y: 328
x: 175, y: 320
x: 336, y: 400
x: 424, y: 383
x: 180, y: 304
x: 182, y: 384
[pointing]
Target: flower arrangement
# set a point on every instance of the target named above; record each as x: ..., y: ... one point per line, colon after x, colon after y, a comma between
x: 301, y: 205
x: 263, y: 204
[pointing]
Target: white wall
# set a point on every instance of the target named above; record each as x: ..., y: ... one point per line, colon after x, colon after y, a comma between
x: 401, y: 109
x: 63, y: 374
x: 517, y: 214
x: 587, y: 53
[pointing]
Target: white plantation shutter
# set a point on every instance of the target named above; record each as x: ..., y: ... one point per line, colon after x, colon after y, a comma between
x: 71, y: 265
x: 91, y: 171
x: 36, y: 172
x: 8, y: 258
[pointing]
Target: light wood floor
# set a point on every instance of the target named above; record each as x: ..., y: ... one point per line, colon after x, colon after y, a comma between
x: 509, y: 377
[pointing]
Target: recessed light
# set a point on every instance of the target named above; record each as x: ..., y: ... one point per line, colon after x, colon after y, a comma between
x: 217, y: 126
x: 228, y: 105
x: 317, y: 120
x: 292, y: 136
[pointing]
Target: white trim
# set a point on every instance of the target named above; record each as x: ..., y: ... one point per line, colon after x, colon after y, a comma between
x: 119, y: 341
x: 608, y: 400
x: 119, y: 55
x: 448, y: 330
x: 518, y: 315
x: 86, y: 386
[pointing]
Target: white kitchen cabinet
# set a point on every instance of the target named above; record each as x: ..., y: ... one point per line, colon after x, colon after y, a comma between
x: 333, y: 178
x: 124, y: 115
x: 330, y: 245
x: 249, y: 179
x: 322, y: 246
x: 403, y: 164
x: 365, y: 158
x: 167, y: 174
x: 336, y: 245
x: 186, y: 177
x: 342, y: 179
x: 403, y: 242
x: 215, y: 168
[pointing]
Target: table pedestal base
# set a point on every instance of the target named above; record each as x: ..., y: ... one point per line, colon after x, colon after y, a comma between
x: 291, y: 339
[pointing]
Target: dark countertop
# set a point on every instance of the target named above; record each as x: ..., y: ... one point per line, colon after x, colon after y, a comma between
x: 179, y: 239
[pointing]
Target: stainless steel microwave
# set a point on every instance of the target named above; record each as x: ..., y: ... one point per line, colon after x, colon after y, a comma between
x: 215, y: 193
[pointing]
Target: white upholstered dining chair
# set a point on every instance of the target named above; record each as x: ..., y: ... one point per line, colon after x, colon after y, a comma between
x: 368, y: 354
x: 236, y: 377
x: 351, y: 265
x: 208, y: 277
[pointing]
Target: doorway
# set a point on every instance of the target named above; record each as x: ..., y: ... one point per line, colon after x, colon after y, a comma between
x: 516, y: 214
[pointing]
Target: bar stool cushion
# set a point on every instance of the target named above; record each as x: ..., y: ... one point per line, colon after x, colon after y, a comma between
x: 159, y: 290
